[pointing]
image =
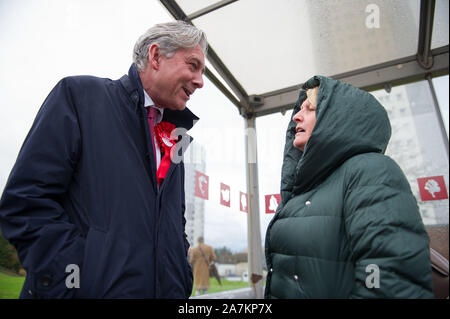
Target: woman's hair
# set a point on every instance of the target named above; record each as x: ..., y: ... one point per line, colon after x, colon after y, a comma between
x: 312, y: 97
x: 170, y: 37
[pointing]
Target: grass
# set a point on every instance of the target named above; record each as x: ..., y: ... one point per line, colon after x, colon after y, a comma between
x: 10, y: 286
x: 226, y: 285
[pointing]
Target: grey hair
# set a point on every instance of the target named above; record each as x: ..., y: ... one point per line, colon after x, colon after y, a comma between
x: 170, y: 37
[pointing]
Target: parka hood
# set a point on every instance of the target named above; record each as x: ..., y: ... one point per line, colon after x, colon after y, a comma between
x: 349, y: 121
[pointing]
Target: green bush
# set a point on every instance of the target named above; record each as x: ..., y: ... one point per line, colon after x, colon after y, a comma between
x: 8, y: 256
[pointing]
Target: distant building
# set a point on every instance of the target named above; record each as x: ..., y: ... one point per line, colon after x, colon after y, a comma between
x: 194, y: 160
x: 415, y: 144
x: 226, y: 270
x: 241, y: 268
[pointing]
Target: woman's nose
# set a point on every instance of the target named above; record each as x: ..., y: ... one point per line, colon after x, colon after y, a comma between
x: 298, y: 117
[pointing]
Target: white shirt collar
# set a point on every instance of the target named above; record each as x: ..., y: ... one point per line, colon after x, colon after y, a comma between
x: 148, y: 102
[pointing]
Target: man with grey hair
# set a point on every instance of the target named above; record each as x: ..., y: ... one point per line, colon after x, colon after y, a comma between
x: 95, y: 202
x: 169, y: 63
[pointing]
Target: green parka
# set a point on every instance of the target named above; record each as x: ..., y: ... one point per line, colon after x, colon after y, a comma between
x: 348, y: 225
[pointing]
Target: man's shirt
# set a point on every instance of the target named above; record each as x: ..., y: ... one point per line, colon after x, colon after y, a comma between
x: 148, y: 102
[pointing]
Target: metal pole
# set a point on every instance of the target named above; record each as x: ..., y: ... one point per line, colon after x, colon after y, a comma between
x: 438, y: 112
x: 209, y: 9
x: 255, y: 260
x: 424, y: 56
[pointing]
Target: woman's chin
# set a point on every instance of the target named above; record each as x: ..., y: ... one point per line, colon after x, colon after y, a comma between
x: 298, y: 145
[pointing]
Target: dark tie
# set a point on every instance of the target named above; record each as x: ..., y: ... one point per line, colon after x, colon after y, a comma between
x: 152, y: 112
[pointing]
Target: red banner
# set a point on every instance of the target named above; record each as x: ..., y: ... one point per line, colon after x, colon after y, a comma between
x: 432, y: 188
x: 243, y: 202
x: 224, y: 195
x: 201, y: 185
x: 272, y: 202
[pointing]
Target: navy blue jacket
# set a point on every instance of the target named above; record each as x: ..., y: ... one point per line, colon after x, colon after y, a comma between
x: 83, y: 191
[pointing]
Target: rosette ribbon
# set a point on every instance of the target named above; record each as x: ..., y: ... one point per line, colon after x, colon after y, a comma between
x: 166, y: 141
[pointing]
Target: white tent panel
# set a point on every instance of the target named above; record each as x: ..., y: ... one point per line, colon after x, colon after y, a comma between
x: 270, y: 45
x: 256, y: 48
x: 440, y: 26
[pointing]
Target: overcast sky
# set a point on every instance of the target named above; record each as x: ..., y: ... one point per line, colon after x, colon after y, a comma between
x: 46, y: 40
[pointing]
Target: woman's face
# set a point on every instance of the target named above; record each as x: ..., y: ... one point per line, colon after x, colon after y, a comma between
x: 305, y: 119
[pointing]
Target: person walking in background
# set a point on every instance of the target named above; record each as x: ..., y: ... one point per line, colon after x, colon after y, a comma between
x: 348, y: 225
x: 201, y: 258
x: 94, y: 204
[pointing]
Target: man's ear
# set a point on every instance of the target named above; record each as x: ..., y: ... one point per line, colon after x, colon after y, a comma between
x: 154, y: 56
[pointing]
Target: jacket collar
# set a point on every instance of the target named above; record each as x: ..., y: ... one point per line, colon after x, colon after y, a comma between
x: 133, y: 86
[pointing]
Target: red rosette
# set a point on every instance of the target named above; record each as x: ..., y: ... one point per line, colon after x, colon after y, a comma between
x: 166, y: 141
x: 163, y: 135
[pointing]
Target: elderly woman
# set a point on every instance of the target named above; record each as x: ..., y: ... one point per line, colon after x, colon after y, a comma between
x: 348, y: 225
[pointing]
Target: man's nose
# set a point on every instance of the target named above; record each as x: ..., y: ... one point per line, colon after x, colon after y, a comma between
x: 198, y: 80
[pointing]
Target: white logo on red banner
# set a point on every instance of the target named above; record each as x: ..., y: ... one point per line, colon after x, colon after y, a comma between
x: 201, y: 185
x: 243, y: 202
x: 272, y: 202
x: 224, y: 194
x: 432, y: 188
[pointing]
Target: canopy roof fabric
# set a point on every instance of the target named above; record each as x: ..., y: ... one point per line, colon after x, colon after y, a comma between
x: 263, y: 50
